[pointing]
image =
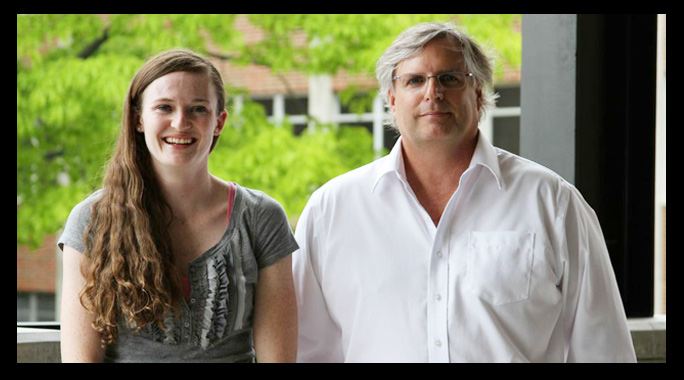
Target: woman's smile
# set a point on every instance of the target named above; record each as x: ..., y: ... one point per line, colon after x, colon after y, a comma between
x: 179, y: 142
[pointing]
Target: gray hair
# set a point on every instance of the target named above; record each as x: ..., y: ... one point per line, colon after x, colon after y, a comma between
x: 412, y: 41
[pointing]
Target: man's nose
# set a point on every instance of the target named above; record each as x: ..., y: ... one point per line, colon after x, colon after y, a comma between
x: 433, y: 88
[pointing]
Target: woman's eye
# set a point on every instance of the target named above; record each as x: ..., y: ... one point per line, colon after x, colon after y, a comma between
x: 164, y: 108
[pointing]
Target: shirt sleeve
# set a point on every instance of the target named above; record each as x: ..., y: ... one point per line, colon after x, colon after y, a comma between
x: 595, y: 322
x: 319, y: 336
x: 274, y: 235
x: 72, y: 234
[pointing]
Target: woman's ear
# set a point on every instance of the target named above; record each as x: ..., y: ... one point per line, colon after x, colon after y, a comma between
x: 220, y: 122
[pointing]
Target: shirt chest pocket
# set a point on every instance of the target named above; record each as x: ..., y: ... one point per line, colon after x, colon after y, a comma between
x: 499, y: 265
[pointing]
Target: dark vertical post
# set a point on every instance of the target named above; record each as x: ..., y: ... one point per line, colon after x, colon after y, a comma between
x: 592, y: 120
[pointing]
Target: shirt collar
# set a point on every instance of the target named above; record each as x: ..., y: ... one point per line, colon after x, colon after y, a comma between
x: 485, y: 155
x: 392, y: 163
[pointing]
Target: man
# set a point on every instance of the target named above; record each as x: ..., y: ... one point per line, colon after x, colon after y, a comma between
x: 448, y: 249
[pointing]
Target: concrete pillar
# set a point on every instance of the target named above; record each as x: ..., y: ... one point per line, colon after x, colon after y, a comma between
x: 322, y: 102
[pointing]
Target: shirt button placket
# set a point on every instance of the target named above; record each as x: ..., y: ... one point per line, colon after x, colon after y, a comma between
x: 186, y: 331
x: 437, y: 307
x: 186, y: 319
x: 186, y: 328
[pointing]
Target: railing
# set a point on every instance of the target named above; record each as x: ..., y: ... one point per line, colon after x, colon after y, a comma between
x: 39, y: 342
x: 650, y: 338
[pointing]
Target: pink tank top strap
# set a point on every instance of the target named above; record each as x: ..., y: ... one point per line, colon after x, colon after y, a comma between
x: 185, y: 287
x: 231, y: 199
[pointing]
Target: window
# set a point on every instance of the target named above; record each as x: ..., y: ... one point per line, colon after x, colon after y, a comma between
x: 36, y: 307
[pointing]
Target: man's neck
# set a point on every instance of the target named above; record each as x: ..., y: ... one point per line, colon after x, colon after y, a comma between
x: 434, y: 173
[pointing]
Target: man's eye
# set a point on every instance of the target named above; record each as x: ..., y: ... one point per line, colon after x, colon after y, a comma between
x: 199, y: 109
x: 415, y: 80
x: 448, y: 78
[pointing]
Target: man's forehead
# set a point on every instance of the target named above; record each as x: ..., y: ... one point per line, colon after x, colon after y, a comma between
x: 437, y: 52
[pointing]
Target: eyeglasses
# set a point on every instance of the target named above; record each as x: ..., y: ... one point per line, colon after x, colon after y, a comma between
x: 452, y: 80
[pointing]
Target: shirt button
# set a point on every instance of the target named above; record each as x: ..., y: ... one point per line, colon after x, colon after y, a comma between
x: 438, y: 297
x: 186, y: 324
x: 192, y: 301
x: 439, y: 254
x: 438, y: 343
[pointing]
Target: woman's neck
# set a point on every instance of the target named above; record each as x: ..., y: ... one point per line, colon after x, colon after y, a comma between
x: 187, y: 193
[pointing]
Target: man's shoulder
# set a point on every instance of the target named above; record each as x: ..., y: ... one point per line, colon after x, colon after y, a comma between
x: 352, y: 181
x: 515, y: 167
x: 362, y: 176
x: 524, y: 173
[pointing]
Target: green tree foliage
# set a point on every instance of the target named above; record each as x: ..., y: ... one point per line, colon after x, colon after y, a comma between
x: 355, y: 42
x: 73, y: 72
x: 260, y: 155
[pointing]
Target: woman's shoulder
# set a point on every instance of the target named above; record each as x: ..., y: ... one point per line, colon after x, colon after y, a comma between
x: 83, y: 209
x: 255, y: 204
x: 253, y: 198
x: 259, y: 206
x: 77, y: 221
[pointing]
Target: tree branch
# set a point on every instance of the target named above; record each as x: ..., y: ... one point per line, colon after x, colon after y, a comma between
x: 90, y: 49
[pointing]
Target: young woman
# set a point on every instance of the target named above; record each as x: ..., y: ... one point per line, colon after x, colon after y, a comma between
x: 167, y: 262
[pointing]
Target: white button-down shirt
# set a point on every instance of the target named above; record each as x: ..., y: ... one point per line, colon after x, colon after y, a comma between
x: 516, y: 271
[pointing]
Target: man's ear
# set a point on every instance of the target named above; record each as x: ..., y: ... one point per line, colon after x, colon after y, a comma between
x: 391, y: 98
x: 480, y: 99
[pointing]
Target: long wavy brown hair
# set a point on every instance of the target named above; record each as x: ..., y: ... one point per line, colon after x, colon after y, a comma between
x: 130, y: 271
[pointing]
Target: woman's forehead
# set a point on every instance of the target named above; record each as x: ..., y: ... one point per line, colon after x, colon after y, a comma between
x: 181, y: 85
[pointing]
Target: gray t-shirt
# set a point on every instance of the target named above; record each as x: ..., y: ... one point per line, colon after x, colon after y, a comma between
x: 216, y: 323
